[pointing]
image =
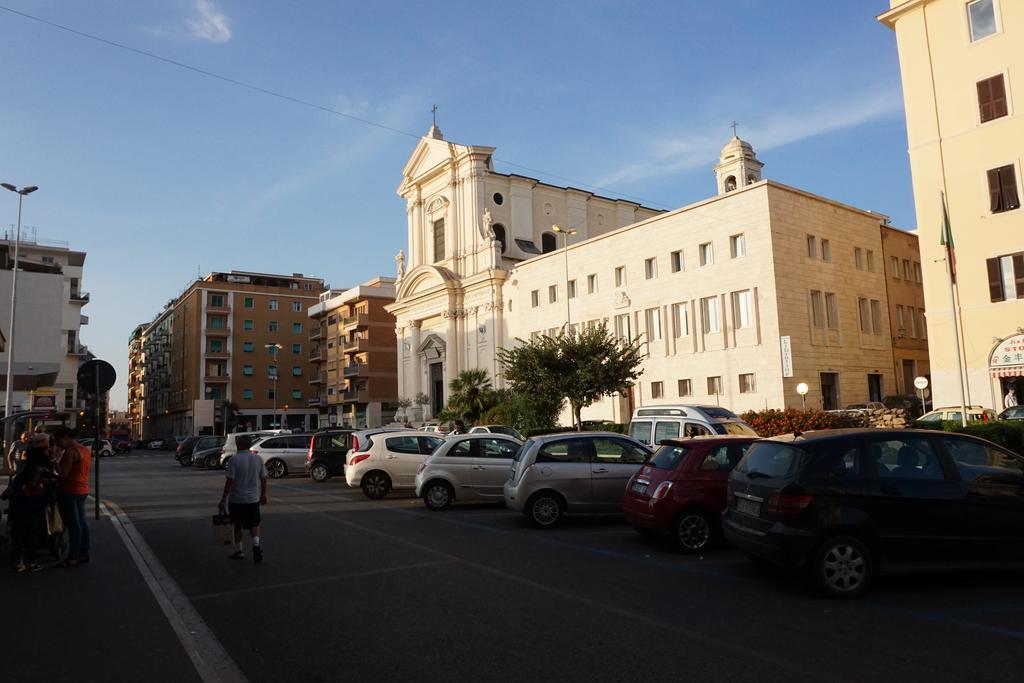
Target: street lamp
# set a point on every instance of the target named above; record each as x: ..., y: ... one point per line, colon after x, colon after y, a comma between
x: 565, y: 246
x: 22, y: 193
x: 802, y: 390
x: 274, y: 348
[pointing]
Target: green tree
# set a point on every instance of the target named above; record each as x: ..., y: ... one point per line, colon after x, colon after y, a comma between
x: 470, y: 395
x: 580, y: 367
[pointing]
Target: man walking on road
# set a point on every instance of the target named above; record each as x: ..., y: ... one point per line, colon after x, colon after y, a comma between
x: 245, y: 490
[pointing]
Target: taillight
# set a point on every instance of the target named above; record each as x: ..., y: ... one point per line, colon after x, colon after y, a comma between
x: 359, y: 457
x: 355, y: 443
x: 788, y: 505
x: 662, y: 490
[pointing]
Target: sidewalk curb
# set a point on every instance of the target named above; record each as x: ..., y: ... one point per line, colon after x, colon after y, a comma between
x: 208, y: 656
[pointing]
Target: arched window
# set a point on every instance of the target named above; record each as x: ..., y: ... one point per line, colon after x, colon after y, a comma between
x: 548, y: 242
x: 751, y: 180
x: 499, y: 234
x: 730, y: 183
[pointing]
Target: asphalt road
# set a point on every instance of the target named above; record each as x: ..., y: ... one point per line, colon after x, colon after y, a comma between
x: 355, y: 589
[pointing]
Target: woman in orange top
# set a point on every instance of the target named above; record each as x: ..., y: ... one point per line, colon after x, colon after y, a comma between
x: 71, y: 493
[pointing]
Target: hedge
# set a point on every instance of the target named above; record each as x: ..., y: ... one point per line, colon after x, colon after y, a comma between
x: 1007, y: 433
x: 774, y: 422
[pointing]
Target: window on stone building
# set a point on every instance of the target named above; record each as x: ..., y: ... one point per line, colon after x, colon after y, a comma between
x: 297, y: 328
x: 812, y: 246
x: 248, y: 302
x: 552, y: 294
x: 535, y: 298
x: 650, y: 268
x: 911, y: 323
x: 296, y: 394
x: 296, y: 349
x: 548, y: 242
x: 676, y: 258
x: 738, y: 246
x: 707, y: 254
x: 895, y: 264
x: 653, y: 318
x: 247, y: 325
x: 296, y: 307
x: 917, y: 272
x: 657, y: 390
x: 858, y: 258
x: 901, y: 326
x: 906, y: 269
x: 620, y: 276
x: 247, y: 394
x: 817, y: 309
x: 272, y: 304
x: 217, y: 300
x: 714, y: 385
x: 570, y: 288
x: 712, y: 320
x: 992, y: 98
x: 271, y: 394
x: 216, y: 346
x: 439, y: 240
x: 680, y: 320
x: 870, y: 260
x: 247, y: 370
x: 247, y: 347
x: 684, y: 387
x: 747, y: 383
x: 592, y: 283
x: 981, y: 15
x: 864, y: 314
x: 297, y: 371
x: 876, y: 317
x: 1002, y: 189
x: 623, y: 328
x: 272, y: 326
x: 826, y: 250
x: 743, y: 309
x: 921, y: 327
x: 831, y: 310
x: 499, y: 234
x: 1006, y: 277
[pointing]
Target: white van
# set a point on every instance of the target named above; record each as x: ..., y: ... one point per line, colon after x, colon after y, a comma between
x: 653, y: 424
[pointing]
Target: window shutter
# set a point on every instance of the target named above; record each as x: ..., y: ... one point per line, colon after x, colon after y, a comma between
x: 1018, y: 274
x: 994, y: 191
x: 985, y: 100
x: 995, y: 280
x: 1008, y: 188
x: 998, y: 94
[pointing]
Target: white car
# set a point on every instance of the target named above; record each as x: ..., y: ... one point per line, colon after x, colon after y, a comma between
x: 470, y: 467
x: 231, y: 442
x: 498, y: 429
x: 284, y: 453
x: 388, y: 460
x: 106, y: 450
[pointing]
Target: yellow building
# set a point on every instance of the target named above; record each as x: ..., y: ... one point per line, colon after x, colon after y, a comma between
x: 959, y: 60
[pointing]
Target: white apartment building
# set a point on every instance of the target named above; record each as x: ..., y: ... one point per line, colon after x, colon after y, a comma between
x: 48, y: 347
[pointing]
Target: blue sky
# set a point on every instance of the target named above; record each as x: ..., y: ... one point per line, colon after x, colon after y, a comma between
x: 157, y: 171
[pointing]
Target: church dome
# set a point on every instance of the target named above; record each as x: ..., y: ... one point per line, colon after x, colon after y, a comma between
x: 737, y: 147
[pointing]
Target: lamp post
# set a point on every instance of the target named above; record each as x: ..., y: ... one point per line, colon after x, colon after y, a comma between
x: 22, y: 193
x: 802, y: 390
x: 565, y: 247
x: 274, y: 348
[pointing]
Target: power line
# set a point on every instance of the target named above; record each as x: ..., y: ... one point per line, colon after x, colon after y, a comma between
x: 289, y: 98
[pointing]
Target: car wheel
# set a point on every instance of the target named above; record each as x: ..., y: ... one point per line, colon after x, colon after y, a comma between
x: 375, y: 485
x: 185, y: 461
x: 843, y: 567
x: 438, y: 495
x: 225, y: 461
x: 693, y: 531
x: 212, y: 462
x: 276, y: 468
x: 544, y: 510
x: 319, y: 472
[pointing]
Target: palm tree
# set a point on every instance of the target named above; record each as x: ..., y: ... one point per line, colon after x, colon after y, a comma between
x: 470, y: 395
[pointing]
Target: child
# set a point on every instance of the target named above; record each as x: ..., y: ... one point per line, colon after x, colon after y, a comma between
x: 28, y: 517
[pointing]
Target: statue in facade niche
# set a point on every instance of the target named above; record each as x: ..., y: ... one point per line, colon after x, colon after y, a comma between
x: 487, y: 221
x: 400, y: 264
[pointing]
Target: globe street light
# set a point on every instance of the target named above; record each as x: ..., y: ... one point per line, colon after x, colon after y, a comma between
x: 274, y: 348
x: 22, y: 193
x: 802, y: 390
x: 565, y: 246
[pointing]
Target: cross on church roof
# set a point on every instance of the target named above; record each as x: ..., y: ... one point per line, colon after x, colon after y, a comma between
x: 733, y: 125
x: 433, y: 112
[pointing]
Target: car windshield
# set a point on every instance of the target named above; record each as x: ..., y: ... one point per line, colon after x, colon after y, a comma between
x: 734, y: 428
x: 719, y: 413
x: 667, y: 457
x: 641, y: 431
x: 769, y: 459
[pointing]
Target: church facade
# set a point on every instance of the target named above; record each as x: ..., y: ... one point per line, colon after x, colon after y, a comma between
x: 737, y: 298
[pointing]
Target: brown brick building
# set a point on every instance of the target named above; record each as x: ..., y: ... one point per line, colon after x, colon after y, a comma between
x: 352, y: 342
x: 218, y: 347
x: 903, y: 283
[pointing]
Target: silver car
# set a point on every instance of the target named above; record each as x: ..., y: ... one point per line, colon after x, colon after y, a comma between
x: 576, y: 472
x: 469, y: 467
x: 283, y: 454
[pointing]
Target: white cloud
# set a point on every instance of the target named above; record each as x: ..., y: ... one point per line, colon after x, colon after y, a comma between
x: 700, y: 145
x: 211, y: 24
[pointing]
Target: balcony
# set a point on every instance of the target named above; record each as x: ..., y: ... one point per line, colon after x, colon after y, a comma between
x: 356, y: 396
x: 218, y: 331
x: 223, y: 308
x: 315, y: 333
x: 357, y: 320
x: 354, y: 370
x: 216, y: 379
x: 78, y: 350
x: 218, y: 355
x: 316, y: 355
x: 357, y: 345
x: 319, y: 379
x: 78, y: 297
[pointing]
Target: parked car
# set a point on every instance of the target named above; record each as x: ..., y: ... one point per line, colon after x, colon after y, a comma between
x: 327, y: 452
x: 651, y: 425
x: 385, y: 461
x: 469, y: 467
x: 183, y: 453
x: 106, y: 449
x: 680, y: 490
x: 555, y: 474
x: 865, y: 407
x: 122, y: 446
x: 498, y: 429
x: 1014, y: 413
x: 283, y: 453
x: 433, y: 428
x: 847, y: 504
x: 974, y: 414
x: 157, y: 445
x: 207, y: 451
x: 232, y: 440
x: 909, y: 402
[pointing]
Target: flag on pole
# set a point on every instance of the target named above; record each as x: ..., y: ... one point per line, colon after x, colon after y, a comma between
x: 946, y: 239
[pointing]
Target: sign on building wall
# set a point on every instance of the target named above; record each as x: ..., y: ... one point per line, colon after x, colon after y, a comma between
x: 43, y: 399
x: 787, y: 356
x: 1008, y: 357
x: 202, y: 415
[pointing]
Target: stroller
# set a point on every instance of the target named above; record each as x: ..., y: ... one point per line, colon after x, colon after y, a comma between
x: 53, y: 539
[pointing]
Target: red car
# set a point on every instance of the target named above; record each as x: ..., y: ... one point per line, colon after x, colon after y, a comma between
x: 680, y: 490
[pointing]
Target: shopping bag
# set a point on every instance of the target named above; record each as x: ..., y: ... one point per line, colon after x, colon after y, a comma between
x: 54, y: 524
x: 223, y: 530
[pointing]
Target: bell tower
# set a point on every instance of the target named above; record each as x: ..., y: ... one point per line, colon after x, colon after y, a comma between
x: 737, y: 165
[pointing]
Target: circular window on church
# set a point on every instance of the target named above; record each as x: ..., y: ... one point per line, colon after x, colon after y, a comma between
x: 498, y: 199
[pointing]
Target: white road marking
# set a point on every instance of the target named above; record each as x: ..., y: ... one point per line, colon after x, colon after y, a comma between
x: 211, y: 660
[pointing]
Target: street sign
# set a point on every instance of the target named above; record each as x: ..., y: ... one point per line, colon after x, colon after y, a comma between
x: 787, y: 356
x: 96, y: 376
x: 921, y: 382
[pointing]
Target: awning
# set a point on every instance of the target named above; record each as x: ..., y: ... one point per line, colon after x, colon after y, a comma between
x: 1008, y: 371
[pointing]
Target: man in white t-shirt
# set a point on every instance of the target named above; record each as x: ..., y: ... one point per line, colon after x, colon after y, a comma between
x: 245, y: 490
x: 1011, y: 398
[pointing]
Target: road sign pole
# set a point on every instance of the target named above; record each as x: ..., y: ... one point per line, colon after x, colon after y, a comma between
x: 96, y: 445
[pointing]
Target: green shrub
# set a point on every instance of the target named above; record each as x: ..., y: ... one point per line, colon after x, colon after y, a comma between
x: 774, y: 422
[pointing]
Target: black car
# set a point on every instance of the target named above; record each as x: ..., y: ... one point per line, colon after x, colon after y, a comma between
x: 327, y: 452
x: 846, y: 504
x: 1014, y: 413
x: 183, y: 452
